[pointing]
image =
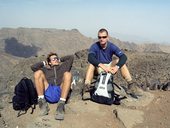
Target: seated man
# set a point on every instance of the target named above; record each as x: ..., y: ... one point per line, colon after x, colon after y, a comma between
x: 53, y: 81
x: 100, y: 59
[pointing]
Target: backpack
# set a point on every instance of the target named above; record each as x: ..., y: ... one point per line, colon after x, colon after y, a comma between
x: 103, y: 90
x: 25, y: 96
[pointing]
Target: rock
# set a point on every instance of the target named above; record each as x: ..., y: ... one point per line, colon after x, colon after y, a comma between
x: 130, y: 117
x: 166, y: 87
x: 142, y: 101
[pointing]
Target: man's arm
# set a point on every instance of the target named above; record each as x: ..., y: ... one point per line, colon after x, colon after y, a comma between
x: 67, y: 62
x: 92, y: 59
x: 69, y: 58
x: 38, y: 66
x: 122, y: 60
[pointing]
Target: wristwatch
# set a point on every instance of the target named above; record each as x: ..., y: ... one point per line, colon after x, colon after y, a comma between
x: 117, y: 66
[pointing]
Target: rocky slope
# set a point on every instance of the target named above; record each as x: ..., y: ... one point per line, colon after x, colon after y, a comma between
x: 150, y: 70
x: 148, y: 64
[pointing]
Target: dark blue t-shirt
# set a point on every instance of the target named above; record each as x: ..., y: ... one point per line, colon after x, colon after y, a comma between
x: 105, y: 55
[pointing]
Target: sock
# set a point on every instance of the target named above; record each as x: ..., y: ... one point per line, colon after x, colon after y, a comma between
x: 130, y: 82
x: 62, y: 100
x: 41, y: 97
x: 128, y: 78
x: 87, y: 82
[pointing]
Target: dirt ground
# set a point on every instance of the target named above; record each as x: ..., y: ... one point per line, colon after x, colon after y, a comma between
x: 86, y: 114
x: 157, y: 113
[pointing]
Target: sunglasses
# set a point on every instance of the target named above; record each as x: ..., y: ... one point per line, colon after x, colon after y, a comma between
x: 55, y: 58
x: 99, y: 37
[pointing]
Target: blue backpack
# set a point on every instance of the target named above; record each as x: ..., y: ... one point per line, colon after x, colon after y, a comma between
x: 25, y: 96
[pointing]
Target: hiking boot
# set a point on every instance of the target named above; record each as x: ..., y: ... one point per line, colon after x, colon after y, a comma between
x: 134, y: 90
x: 43, y: 105
x: 86, y: 92
x: 60, y: 111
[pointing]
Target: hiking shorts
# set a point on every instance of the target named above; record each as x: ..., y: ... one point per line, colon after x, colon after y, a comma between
x: 52, y: 93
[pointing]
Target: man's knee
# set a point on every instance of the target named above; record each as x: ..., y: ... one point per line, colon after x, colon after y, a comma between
x: 38, y: 74
x: 67, y: 75
x: 91, y: 71
x: 125, y: 73
x: 91, y: 67
x: 66, y: 80
x: 124, y: 68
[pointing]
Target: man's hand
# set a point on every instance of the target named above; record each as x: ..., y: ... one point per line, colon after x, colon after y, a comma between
x: 45, y: 63
x: 112, y: 70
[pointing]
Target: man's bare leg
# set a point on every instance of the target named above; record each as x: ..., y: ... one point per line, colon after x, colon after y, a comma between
x: 66, y: 84
x: 133, y: 89
x: 88, y: 79
x: 124, y: 71
x: 41, y: 85
x: 65, y: 88
x: 89, y: 74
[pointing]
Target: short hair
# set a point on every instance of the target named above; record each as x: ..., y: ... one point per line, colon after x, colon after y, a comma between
x: 103, y: 30
x: 51, y: 54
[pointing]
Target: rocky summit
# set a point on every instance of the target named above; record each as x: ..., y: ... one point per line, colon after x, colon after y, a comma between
x: 149, y: 68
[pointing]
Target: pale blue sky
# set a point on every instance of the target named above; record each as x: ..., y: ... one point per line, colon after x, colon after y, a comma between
x: 133, y: 20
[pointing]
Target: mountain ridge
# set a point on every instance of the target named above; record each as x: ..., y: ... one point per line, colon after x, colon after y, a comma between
x: 39, y: 41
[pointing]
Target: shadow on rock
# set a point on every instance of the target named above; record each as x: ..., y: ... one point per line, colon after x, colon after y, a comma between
x: 15, y: 48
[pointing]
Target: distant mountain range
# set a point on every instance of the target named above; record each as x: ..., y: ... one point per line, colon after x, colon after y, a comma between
x: 27, y: 42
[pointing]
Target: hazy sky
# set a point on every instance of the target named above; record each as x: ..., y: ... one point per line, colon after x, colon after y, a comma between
x: 125, y: 19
